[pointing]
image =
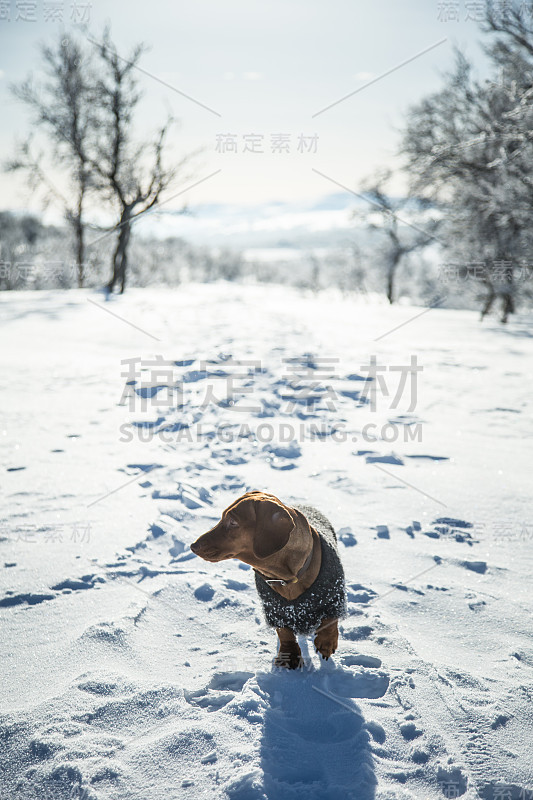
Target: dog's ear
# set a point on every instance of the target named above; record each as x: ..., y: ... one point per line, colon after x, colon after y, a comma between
x: 273, y: 526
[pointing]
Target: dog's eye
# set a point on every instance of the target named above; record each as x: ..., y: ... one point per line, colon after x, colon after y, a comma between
x: 231, y: 522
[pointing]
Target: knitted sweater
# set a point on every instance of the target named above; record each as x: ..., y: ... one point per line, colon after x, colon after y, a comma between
x: 326, y: 597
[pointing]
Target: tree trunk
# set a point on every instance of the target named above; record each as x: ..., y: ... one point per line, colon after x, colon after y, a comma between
x: 79, y: 232
x: 80, y: 251
x: 390, y: 286
x: 395, y: 260
x: 124, y: 265
x: 489, y: 300
x: 507, y: 306
x: 507, y: 295
x: 120, y: 258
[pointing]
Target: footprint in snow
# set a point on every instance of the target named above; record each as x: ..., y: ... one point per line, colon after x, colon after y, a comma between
x: 404, y: 588
x: 290, y: 450
x: 106, y: 633
x: 405, y: 419
x: 110, y: 686
x: 492, y: 790
x: 353, y: 394
x: 143, y: 467
x: 205, y: 593
x: 221, y: 690
x: 475, y: 566
x: 276, y: 463
x: 360, y: 594
x: 79, y: 584
x: 229, y: 456
x: 360, y: 661
x: 452, y: 522
x: 444, y: 527
x: 314, y: 736
x: 346, y: 536
x: 356, y: 634
x: 230, y: 483
x: 282, y: 456
x: 190, y: 496
x: 409, y: 731
x: 428, y: 457
x: 389, y: 459
x: 148, y: 424
x: 451, y: 779
x: 236, y: 586
x: 30, y: 599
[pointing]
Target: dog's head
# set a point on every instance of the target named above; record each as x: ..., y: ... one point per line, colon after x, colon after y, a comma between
x: 253, y: 528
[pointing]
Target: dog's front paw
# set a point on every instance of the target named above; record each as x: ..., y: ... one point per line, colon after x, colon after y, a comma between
x: 326, y: 643
x: 290, y: 659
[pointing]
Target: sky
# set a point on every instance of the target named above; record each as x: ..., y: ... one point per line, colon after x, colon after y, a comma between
x: 262, y: 69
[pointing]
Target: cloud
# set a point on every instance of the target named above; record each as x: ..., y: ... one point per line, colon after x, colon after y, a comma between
x: 252, y: 76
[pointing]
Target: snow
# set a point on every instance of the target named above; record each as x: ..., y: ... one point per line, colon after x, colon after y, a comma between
x: 133, y: 669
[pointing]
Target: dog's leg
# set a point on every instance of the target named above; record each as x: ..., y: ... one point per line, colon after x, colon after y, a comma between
x: 289, y: 654
x: 327, y: 637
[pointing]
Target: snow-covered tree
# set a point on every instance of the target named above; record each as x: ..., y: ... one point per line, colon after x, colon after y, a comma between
x: 470, y: 146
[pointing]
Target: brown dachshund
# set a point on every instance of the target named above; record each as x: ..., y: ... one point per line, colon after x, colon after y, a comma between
x: 289, y: 558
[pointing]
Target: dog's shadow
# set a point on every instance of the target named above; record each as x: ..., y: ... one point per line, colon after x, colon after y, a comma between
x: 314, y: 742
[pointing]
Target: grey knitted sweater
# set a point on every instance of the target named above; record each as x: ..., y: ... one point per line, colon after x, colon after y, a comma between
x: 326, y: 597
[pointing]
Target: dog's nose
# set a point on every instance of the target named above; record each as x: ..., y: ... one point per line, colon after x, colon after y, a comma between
x: 194, y: 547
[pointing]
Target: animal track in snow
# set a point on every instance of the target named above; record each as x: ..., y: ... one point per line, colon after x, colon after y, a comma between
x: 29, y: 598
x: 221, y: 690
x: 360, y: 661
x: 346, y: 536
x: 357, y: 593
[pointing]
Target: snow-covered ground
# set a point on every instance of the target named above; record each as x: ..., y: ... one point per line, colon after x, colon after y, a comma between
x: 132, y: 669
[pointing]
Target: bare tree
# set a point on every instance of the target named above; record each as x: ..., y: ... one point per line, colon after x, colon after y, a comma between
x: 63, y: 108
x: 400, y: 239
x: 119, y: 162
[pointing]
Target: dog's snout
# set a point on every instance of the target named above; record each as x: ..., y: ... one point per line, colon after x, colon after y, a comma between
x: 200, y: 547
x: 205, y: 548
